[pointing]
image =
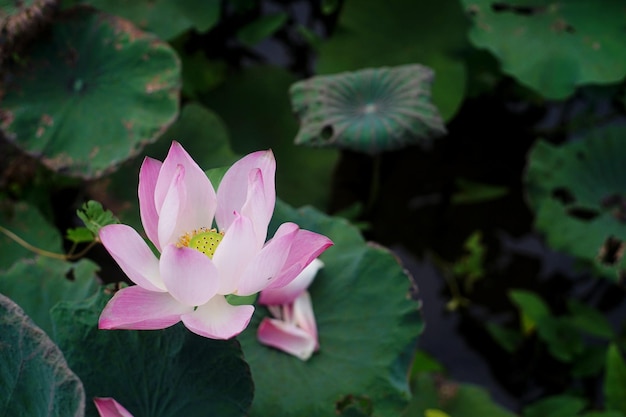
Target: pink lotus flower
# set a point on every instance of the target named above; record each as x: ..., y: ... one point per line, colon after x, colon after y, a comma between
x: 108, y: 407
x: 293, y: 328
x: 199, y: 265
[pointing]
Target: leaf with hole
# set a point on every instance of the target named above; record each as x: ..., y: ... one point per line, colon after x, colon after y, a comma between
x: 553, y: 47
x: 577, y: 193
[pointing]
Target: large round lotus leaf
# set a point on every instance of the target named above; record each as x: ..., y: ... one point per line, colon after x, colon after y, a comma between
x: 370, y: 110
x: 165, y: 18
x: 91, y: 93
x: 433, y: 392
x: 152, y: 373
x: 34, y: 377
x: 374, y: 33
x: 579, y: 195
x: 38, y: 285
x: 25, y: 222
x: 365, y: 321
x: 550, y: 46
x: 254, y: 103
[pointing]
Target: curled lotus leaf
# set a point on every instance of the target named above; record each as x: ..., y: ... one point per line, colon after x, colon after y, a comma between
x: 92, y: 94
x: 553, y: 47
x: 371, y: 110
x: 578, y: 194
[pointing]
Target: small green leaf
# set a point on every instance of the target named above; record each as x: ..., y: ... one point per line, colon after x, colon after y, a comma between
x: 555, y: 406
x: 35, y: 379
x: 508, y: 339
x: 532, y: 308
x: 261, y: 28
x: 79, y: 235
x: 95, y: 216
x: 470, y: 268
x: 615, y: 380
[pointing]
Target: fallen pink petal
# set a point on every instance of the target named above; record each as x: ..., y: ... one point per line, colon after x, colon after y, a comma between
x: 293, y: 328
x: 201, y: 262
x: 108, y: 407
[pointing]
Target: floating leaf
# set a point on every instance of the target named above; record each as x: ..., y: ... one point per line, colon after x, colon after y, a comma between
x: 93, y: 93
x: 38, y: 286
x: 165, y: 18
x: 153, y: 373
x: 370, y: 110
x: 34, y: 377
x: 365, y: 321
x: 433, y: 392
x: 553, y: 47
x: 374, y: 33
x: 577, y: 192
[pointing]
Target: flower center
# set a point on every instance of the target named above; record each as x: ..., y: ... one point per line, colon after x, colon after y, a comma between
x: 203, y: 240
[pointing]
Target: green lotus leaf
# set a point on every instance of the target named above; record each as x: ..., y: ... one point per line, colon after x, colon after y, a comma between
x: 374, y: 33
x: 578, y: 194
x: 371, y: 110
x: 39, y: 285
x: 553, y: 47
x: 26, y: 223
x: 35, y: 378
x: 433, y: 392
x: 365, y: 321
x: 152, y: 373
x: 93, y: 92
x: 166, y: 18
